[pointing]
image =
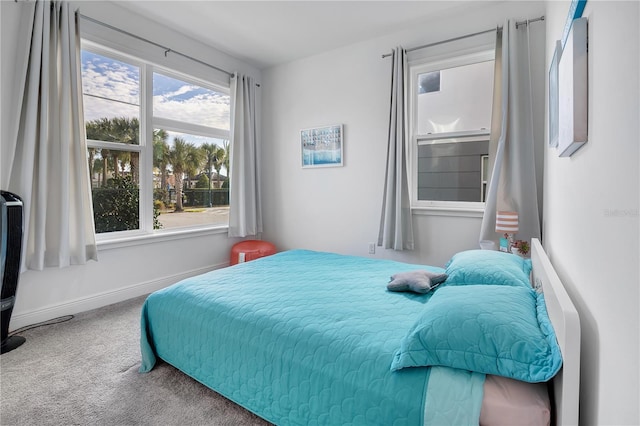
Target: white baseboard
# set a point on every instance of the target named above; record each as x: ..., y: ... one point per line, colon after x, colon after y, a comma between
x: 84, y: 304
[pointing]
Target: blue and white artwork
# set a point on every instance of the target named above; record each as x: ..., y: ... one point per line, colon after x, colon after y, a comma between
x: 322, y: 146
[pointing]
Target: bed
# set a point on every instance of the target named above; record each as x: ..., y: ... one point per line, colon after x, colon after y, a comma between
x: 304, y: 337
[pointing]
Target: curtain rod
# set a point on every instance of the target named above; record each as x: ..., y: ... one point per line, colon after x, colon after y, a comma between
x: 166, y: 49
x: 527, y: 22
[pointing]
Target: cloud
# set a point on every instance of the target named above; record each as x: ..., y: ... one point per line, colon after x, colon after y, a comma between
x: 104, y: 79
x: 210, y: 109
x: 184, y: 89
x: 107, y: 80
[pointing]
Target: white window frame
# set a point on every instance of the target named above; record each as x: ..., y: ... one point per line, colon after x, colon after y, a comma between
x: 145, y: 147
x: 484, y: 176
x: 435, y: 207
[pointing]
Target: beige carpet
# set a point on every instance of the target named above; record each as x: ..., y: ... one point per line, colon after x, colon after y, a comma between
x: 85, y: 372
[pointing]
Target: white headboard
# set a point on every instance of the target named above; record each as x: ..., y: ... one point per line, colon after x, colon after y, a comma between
x: 566, y: 323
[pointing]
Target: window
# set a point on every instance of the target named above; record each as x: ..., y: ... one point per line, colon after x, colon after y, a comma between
x: 450, y: 118
x: 429, y: 82
x: 158, y: 145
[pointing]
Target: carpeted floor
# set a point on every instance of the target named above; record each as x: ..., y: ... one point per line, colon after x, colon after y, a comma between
x: 85, y: 372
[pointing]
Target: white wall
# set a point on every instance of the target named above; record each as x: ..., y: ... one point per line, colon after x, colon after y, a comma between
x: 125, y: 271
x: 591, y: 226
x: 338, y: 209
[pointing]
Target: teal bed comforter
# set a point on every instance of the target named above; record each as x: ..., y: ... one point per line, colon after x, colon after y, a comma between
x: 306, y: 338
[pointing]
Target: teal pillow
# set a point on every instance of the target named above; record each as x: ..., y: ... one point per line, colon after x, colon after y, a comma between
x: 500, y: 330
x: 488, y: 267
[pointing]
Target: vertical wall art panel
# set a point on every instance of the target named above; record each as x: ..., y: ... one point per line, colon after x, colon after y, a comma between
x: 553, y: 96
x: 573, y: 90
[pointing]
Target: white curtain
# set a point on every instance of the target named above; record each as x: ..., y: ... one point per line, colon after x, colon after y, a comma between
x: 511, y: 148
x: 245, y: 206
x: 50, y: 171
x: 396, y: 227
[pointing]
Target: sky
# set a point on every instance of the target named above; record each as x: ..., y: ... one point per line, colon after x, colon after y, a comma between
x: 112, y: 89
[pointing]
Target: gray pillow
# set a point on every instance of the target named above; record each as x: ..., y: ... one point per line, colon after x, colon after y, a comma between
x: 416, y: 281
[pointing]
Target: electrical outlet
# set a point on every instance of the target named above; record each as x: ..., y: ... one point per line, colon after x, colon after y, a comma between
x: 372, y: 248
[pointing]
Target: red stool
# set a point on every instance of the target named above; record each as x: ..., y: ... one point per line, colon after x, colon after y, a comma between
x: 247, y: 250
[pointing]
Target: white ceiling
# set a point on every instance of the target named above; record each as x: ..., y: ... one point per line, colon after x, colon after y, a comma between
x: 267, y: 33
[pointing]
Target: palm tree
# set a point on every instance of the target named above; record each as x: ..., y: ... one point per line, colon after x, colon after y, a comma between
x: 99, y: 130
x: 126, y: 130
x: 194, y: 163
x: 97, y: 168
x: 92, y: 156
x: 183, y: 157
x: 105, y: 165
x: 220, y: 159
x: 209, y: 150
x: 121, y: 159
x: 123, y: 130
x: 227, y: 156
x: 161, y: 154
x: 115, y: 159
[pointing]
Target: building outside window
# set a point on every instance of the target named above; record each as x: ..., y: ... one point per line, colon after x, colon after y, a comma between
x: 158, y: 145
x: 450, y: 120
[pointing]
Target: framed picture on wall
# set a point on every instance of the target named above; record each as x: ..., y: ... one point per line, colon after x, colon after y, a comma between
x: 553, y: 96
x: 572, y: 90
x: 322, y: 146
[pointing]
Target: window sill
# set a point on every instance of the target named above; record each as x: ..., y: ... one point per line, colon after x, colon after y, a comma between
x: 476, y: 212
x: 144, y: 239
